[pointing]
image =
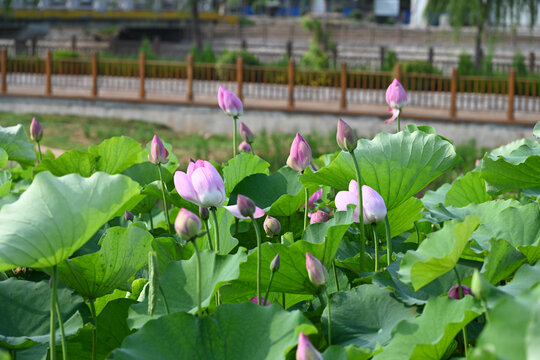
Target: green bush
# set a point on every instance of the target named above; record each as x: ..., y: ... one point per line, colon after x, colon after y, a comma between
x: 420, y: 67
x: 486, y: 65
x: 356, y: 14
x: 146, y: 49
x: 244, y: 21
x: 465, y: 65
x: 315, y: 57
x: 65, y: 54
x: 229, y: 57
x: 518, y: 64
x: 390, y: 60
x: 206, y: 55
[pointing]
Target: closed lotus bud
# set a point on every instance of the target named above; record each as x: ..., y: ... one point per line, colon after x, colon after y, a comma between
x: 204, y: 213
x: 246, y: 133
x: 346, y: 136
x: 36, y: 131
x: 306, y: 350
x: 396, y: 98
x: 300, y: 154
x: 454, y: 291
x: 316, y: 271
x: 374, y: 206
x: 128, y: 215
x: 272, y: 227
x: 263, y: 300
x: 158, y: 153
x: 229, y: 102
x: 187, y: 224
x: 274, y: 265
x: 246, y: 206
x: 317, y: 195
x: 319, y: 217
x: 244, y: 146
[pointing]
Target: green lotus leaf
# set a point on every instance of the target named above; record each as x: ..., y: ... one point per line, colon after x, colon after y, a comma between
x: 470, y: 188
x: 117, y: 154
x: 15, y: 143
x: 240, y: 167
x: 3, y: 157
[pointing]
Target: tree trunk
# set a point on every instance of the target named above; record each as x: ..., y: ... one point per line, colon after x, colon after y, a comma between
x: 478, y: 52
x: 195, y: 28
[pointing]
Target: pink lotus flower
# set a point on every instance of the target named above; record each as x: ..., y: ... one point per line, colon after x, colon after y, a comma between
x: 229, y: 102
x: 316, y: 271
x: 374, y: 207
x: 202, y: 185
x: 317, y: 195
x: 396, y: 98
x: 346, y: 136
x: 158, y: 153
x: 263, y: 300
x: 187, y: 224
x: 243, y: 208
x: 319, y: 217
x: 36, y: 131
x: 244, y: 146
x: 246, y: 133
x: 300, y: 154
x: 271, y: 226
x: 306, y: 350
x: 454, y: 291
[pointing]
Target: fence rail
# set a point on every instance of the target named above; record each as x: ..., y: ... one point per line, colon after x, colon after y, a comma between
x: 282, y: 87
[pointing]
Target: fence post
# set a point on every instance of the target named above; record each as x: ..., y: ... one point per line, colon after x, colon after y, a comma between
x: 239, y: 76
x: 531, y: 61
x: 94, y: 74
x: 3, y: 66
x: 142, y: 74
x: 453, y: 94
x: 511, y: 93
x: 48, y: 71
x: 397, y: 72
x: 343, y: 82
x: 290, y: 101
x: 190, y: 78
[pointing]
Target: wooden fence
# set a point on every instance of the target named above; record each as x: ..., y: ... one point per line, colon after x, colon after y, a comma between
x: 284, y: 88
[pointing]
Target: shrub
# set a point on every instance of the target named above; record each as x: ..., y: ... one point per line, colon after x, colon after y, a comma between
x: 465, y: 65
x: 356, y: 14
x: 146, y: 49
x: 518, y: 64
x: 65, y: 54
x: 315, y: 57
x: 420, y: 67
x: 390, y: 60
x: 206, y: 55
x: 229, y: 57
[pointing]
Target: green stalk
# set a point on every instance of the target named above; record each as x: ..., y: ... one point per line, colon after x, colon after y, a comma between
x: 62, y: 333
x: 259, y: 259
x: 94, y: 333
x: 388, y: 240
x: 460, y: 292
x: 268, y: 289
x: 335, y: 275
x: 52, y: 330
x: 306, y: 209
x: 198, y: 275
x: 329, y: 317
x: 251, y: 146
x: 417, y: 233
x: 376, y: 243
x: 208, y: 234
x: 283, y: 299
x: 165, y: 205
x: 39, y: 150
x: 151, y: 220
x: 213, y: 210
x: 164, y: 300
x: 398, y: 121
x: 234, y: 135
x: 360, y: 212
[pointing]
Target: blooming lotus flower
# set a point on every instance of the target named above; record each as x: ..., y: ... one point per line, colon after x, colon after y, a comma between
x: 263, y: 300
x: 274, y: 265
x: 202, y: 185
x: 128, y: 215
x: 229, y: 102
x: 319, y: 217
x: 187, y: 224
x: 158, y: 153
x: 244, y: 146
x: 396, y: 98
x: 271, y: 226
x: 306, y: 350
x: 316, y: 271
x: 346, y: 136
x: 246, y: 133
x: 300, y: 154
x: 374, y: 208
x: 454, y: 291
x: 36, y: 131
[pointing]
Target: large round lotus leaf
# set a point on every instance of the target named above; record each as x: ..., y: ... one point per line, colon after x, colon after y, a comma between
x: 237, y: 331
x: 25, y: 312
x: 56, y: 216
x: 14, y: 141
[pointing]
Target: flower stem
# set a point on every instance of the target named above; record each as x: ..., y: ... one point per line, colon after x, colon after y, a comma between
x: 306, y: 209
x: 417, y: 233
x: 52, y: 330
x: 94, y: 333
x: 208, y: 235
x: 360, y: 212
x: 198, y: 258
x: 329, y: 317
x: 460, y: 292
x: 165, y: 205
x: 62, y: 333
x: 39, y: 150
x: 376, y: 244
x: 335, y: 275
x: 388, y: 240
x: 268, y: 289
x: 213, y: 210
x: 398, y: 121
x: 259, y: 259
x: 164, y: 300
x: 283, y: 299
x: 234, y: 135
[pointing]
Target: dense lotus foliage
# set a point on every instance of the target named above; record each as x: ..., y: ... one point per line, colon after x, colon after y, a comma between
x: 120, y: 253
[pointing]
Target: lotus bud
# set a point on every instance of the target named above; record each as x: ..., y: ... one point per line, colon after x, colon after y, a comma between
x: 317, y: 195
x: 246, y: 206
x: 36, y: 131
x: 274, y: 265
x: 128, y: 215
x: 300, y: 154
x: 306, y: 350
x: 396, y: 98
x: 244, y: 146
x: 316, y: 271
x: 204, y: 213
x: 271, y: 226
x: 158, y: 153
x: 229, y: 102
x: 187, y: 224
x: 246, y: 133
x: 263, y: 300
x: 346, y: 136
x: 374, y: 206
x: 454, y: 291
x: 319, y: 217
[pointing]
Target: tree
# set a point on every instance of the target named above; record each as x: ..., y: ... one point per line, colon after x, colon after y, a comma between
x: 480, y: 13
